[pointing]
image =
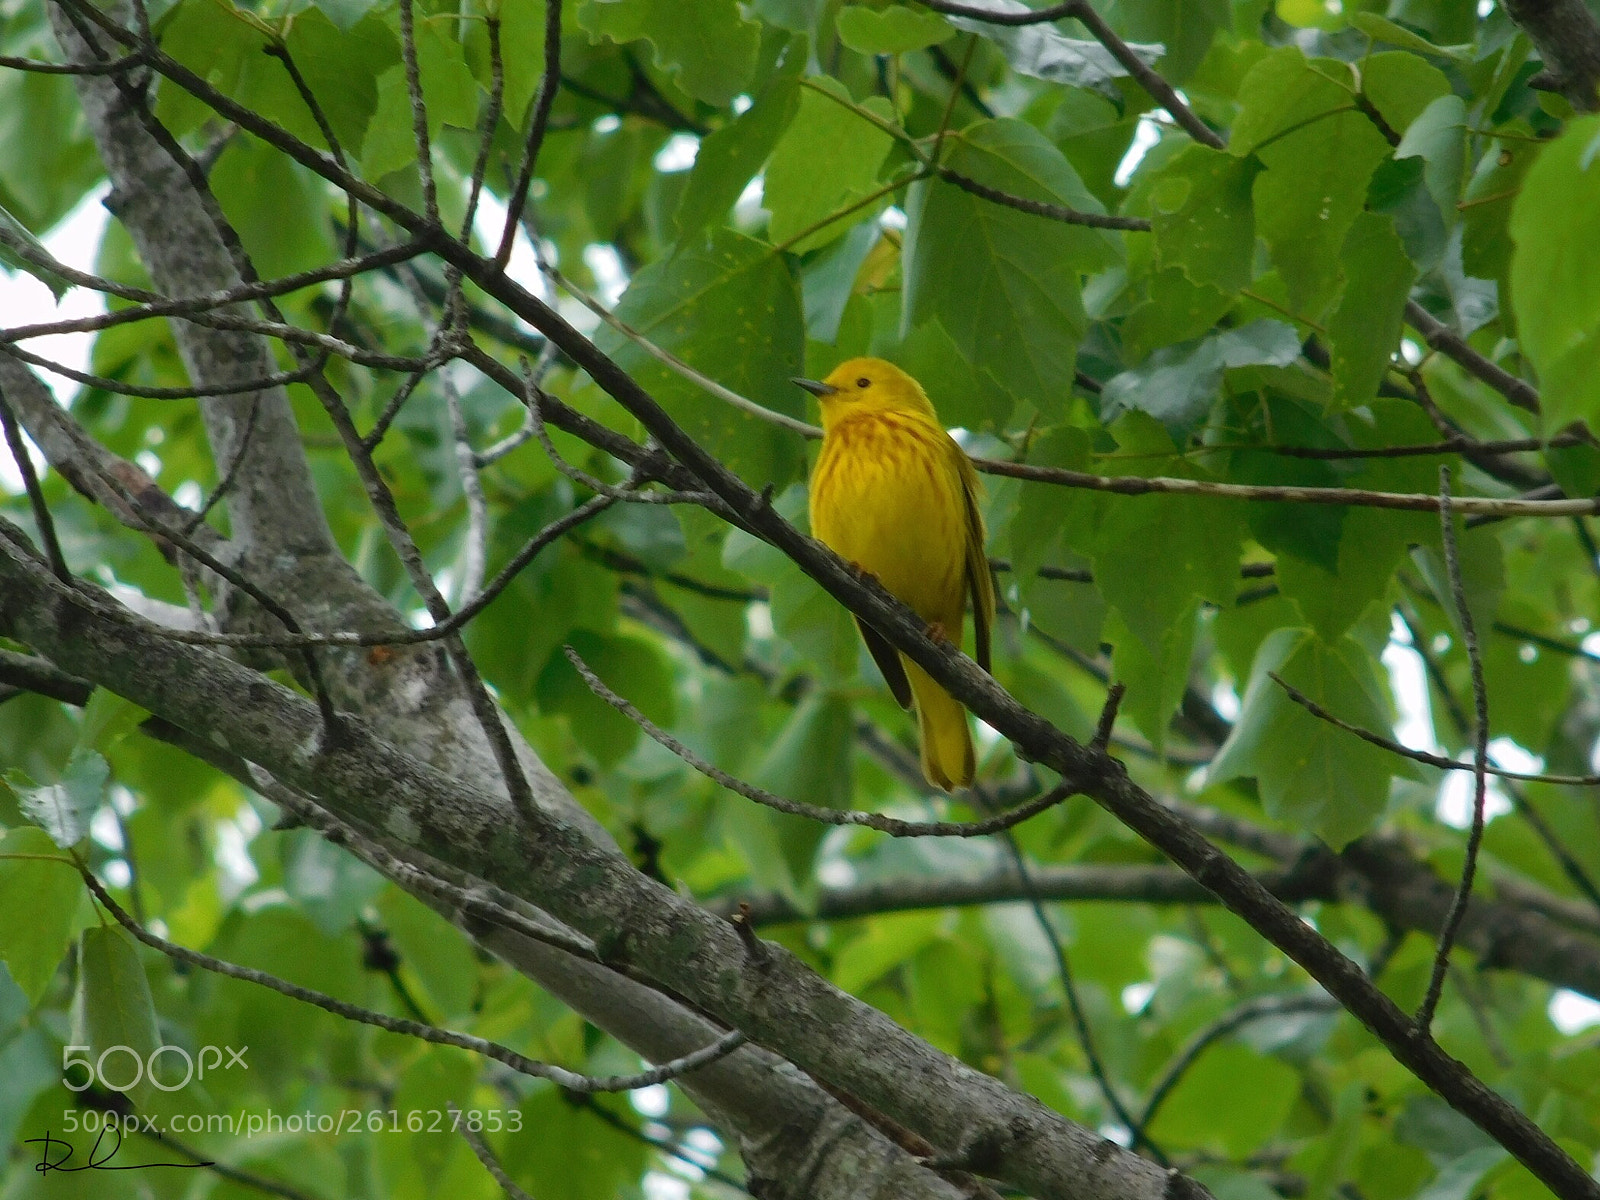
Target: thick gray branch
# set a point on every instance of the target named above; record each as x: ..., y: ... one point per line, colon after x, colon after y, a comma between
x: 556, y: 865
x: 1518, y: 932
x: 272, y: 506
x: 1568, y: 40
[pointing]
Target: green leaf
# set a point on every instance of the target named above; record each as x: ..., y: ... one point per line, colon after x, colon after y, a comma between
x: 1381, y: 29
x: 1333, y: 596
x: 809, y: 762
x: 49, y: 893
x: 1309, y: 532
x: 729, y: 157
x: 448, y: 90
x: 706, y: 45
x: 826, y: 160
x: 1399, y: 191
x: 522, y: 57
x: 593, y: 1160
x: 345, y: 13
x: 1155, y: 681
x: 1282, y: 91
x: 1177, y: 384
x: 1401, y: 86
x: 21, y: 251
x: 882, y: 946
x: 1153, y: 555
x: 1004, y: 283
x: 730, y: 309
x: 891, y: 30
x: 1313, y: 188
x: 47, y: 160
x: 341, y: 69
x: 255, y: 185
x: 1486, y: 245
x: 829, y: 278
x: 1459, y: 1178
x: 1201, y: 216
x: 1200, y: 1110
x: 1177, y: 309
x: 1555, y: 293
x: 1364, y: 331
x: 1183, y: 28
x: 629, y: 666
x: 1044, y: 53
x: 1310, y: 773
x: 63, y: 809
x: 803, y: 615
x: 1439, y: 136
x: 962, y: 395
x: 1483, y: 577
x: 112, y: 1013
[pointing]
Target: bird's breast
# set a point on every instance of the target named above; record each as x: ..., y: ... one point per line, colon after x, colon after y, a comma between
x: 886, y: 494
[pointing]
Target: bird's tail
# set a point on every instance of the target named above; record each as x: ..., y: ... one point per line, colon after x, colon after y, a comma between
x: 948, y: 760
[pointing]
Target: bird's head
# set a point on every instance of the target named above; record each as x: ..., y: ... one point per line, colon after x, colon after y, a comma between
x: 867, y: 385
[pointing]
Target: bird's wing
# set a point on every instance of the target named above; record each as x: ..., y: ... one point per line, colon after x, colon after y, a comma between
x: 888, y: 660
x: 980, y: 583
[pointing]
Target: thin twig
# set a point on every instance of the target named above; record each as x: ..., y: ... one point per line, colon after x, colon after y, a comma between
x: 1480, y: 758
x: 487, y: 124
x: 1069, y: 987
x: 606, y: 1117
x: 1445, y: 340
x: 493, y: 454
x: 548, y: 83
x: 1244, y: 1014
x: 1158, y: 88
x: 1570, y: 866
x: 30, y: 482
x: 893, y: 826
x: 419, y: 112
x: 1422, y: 756
x: 572, y: 1080
x: 486, y: 1156
x: 249, y: 1179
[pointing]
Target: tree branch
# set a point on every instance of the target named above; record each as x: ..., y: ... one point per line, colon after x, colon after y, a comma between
x: 274, y: 505
x: 1568, y: 39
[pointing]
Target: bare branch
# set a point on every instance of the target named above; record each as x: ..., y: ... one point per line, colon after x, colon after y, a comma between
x: 1158, y: 88
x: 1446, y: 341
x: 274, y: 503
x: 1568, y: 39
x: 28, y: 674
x: 548, y: 83
x: 1422, y: 756
x: 724, y: 1045
x: 1480, y: 756
x: 486, y: 1156
x: 1244, y: 1014
x: 30, y: 482
x: 893, y: 826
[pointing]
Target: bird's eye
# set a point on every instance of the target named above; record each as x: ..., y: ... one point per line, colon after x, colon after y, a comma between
x: 863, y: 382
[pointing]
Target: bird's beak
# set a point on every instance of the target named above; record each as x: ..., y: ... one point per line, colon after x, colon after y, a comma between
x: 815, y: 387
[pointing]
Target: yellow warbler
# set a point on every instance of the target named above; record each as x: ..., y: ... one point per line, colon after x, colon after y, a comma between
x: 894, y: 494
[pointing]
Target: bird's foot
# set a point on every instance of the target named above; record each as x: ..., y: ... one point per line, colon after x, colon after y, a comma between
x: 936, y: 632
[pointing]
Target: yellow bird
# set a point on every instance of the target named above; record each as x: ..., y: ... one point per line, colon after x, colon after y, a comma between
x: 894, y: 494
